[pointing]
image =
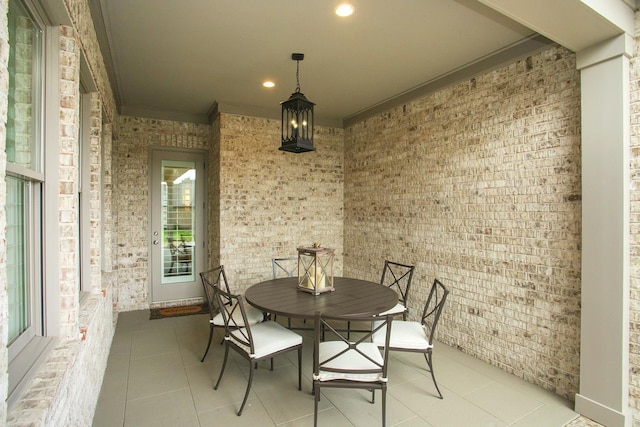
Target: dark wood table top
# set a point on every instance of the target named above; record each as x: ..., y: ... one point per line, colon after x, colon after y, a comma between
x: 351, y: 297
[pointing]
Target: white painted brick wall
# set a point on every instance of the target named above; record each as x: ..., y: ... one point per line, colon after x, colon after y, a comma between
x: 478, y: 184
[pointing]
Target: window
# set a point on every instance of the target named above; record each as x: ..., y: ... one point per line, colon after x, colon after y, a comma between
x: 24, y: 182
x: 84, y: 191
x: 24, y: 179
x: 19, y: 291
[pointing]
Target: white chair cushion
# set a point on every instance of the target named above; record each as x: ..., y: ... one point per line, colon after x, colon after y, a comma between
x: 398, y: 309
x: 269, y: 337
x: 404, y: 334
x: 253, y: 316
x: 350, y: 360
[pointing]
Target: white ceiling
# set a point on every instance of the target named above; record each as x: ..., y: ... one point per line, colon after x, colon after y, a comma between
x: 175, y: 59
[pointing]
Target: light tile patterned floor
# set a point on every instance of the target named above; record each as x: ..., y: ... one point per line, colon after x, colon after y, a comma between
x: 155, y: 378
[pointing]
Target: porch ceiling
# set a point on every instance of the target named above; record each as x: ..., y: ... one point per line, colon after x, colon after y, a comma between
x: 177, y: 59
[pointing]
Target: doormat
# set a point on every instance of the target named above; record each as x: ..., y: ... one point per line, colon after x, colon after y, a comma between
x: 185, y: 310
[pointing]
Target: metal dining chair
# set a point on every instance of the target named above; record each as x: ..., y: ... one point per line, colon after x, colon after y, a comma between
x: 211, y: 280
x: 284, y: 267
x: 398, y: 277
x: 417, y: 336
x: 254, y: 342
x: 339, y: 362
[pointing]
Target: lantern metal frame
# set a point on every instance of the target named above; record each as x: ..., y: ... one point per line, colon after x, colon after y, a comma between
x: 315, y: 270
x: 297, y: 118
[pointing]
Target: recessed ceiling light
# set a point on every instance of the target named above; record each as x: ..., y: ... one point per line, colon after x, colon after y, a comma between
x: 344, y: 9
x: 268, y: 83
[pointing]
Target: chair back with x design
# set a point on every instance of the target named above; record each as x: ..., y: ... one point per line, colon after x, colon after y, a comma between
x: 284, y: 267
x: 237, y: 326
x: 215, y: 279
x: 398, y: 277
x: 433, y: 308
x: 212, y: 279
x: 254, y: 342
x: 346, y: 363
x: 419, y: 336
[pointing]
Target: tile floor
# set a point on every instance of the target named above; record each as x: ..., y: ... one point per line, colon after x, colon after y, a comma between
x: 154, y: 378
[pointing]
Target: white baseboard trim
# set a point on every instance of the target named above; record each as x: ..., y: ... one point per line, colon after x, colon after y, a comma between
x: 602, y: 414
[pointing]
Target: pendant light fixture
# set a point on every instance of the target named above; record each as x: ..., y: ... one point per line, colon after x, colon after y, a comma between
x: 297, y: 118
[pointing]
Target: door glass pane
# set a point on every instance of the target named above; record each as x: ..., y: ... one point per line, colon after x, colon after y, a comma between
x: 18, y: 289
x: 178, y: 220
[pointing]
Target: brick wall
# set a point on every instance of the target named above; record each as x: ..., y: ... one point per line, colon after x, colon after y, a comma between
x: 135, y: 136
x: 86, y: 36
x: 108, y: 216
x: 95, y: 195
x: 213, y: 192
x: 263, y: 202
x: 272, y: 201
x: 478, y: 184
x: 69, y: 181
x: 65, y: 388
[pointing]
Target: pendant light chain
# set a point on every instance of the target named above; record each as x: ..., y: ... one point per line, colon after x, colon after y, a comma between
x: 297, y: 76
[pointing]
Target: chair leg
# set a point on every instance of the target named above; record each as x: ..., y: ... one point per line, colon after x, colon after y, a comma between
x: 316, y: 398
x: 209, y: 343
x: 384, y: 406
x: 224, y: 364
x: 246, y: 393
x: 373, y: 395
x: 300, y: 368
x: 428, y: 358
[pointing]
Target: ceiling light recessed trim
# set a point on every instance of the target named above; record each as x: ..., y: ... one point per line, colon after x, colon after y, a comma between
x: 268, y: 84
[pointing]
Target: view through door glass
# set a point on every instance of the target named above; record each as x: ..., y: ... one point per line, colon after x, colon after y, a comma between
x: 178, y: 225
x: 177, y: 218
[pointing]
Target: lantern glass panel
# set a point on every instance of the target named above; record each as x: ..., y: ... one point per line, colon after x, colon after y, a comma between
x: 297, y: 124
x: 315, y: 270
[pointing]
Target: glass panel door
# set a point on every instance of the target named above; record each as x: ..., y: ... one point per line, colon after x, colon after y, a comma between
x: 177, y: 230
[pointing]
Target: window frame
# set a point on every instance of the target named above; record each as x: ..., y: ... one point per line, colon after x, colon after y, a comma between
x: 26, y: 354
x: 84, y: 192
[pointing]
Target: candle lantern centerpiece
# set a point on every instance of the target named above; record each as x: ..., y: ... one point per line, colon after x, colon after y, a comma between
x: 315, y: 269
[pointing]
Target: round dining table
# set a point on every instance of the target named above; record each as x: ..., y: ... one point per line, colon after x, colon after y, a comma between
x: 350, y: 297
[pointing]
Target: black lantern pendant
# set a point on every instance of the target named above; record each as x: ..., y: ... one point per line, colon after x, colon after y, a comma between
x: 297, y: 118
